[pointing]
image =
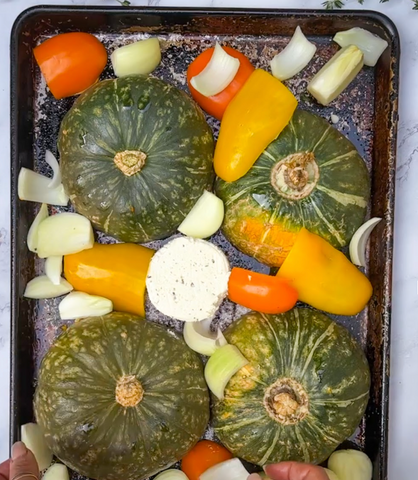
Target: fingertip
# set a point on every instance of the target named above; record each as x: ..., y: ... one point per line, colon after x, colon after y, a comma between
x: 18, y: 450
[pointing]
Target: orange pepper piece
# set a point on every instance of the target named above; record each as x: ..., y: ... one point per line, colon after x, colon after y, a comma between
x: 70, y: 62
x: 324, y: 277
x: 260, y: 292
x: 117, y: 272
x: 204, y: 455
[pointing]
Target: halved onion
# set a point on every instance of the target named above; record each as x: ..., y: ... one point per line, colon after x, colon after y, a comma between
x: 221, y: 367
x: 205, y: 218
x: 58, y: 471
x: 42, y: 287
x: 294, y: 57
x: 171, y: 475
x: 371, y: 45
x: 359, y: 241
x: 63, y: 234
x: 33, y: 187
x: 33, y: 437
x: 53, y: 269
x: 52, y: 162
x: 230, y: 470
x: 136, y: 58
x: 218, y: 73
x: 80, y: 304
x: 201, y: 339
x: 32, y: 239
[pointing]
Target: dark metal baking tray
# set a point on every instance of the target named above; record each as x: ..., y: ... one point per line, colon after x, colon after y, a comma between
x: 367, y: 113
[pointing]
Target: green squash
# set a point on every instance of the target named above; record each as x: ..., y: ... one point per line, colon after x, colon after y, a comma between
x: 121, y: 398
x: 311, y: 176
x: 136, y: 154
x: 303, y: 392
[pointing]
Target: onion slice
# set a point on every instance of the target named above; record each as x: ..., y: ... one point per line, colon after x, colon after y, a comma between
x: 42, y: 287
x: 359, y: 241
x: 33, y: 187
x: 230, y: 470
x: 221, y: 367
x: 80, y: 304
x: 136, y: 58
x: 58, y: 471
x: 33, y: 437
x: 32, y: 239
x: 218, y: 73
x: 171, y: 475
x: 63, y: 234
x: 294, y: 57
x: 52, y: 162
x: 351, y: 464
x: 201, y: 339
x: 205, y: 218
x: 336, y: 75
x: 371, y: 45
x: 53, y: 269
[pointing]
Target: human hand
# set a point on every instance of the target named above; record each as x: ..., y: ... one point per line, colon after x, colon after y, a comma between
x: 292, y: 471
x: 22, y: 465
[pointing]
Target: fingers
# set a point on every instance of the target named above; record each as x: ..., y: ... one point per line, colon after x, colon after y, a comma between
x: 23, y: 465
x: 4, y: 470
x: 295, y: 471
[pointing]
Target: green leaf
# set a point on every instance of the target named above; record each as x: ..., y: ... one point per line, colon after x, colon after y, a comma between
x: 331, y: 4
x: 124, y: 3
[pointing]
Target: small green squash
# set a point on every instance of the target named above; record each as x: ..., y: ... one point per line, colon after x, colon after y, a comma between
x: 136, y: 154
x: 303, y: 392
x: 121, y: 398
x: 311, y: 176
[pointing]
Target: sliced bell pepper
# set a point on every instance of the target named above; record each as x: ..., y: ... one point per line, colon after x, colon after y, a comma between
x: 116, y: 272
x: 260, y: 292
x: 324, y: 277
x: 252, y: 120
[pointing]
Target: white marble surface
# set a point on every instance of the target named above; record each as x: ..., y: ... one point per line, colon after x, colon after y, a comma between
x: 403, y: 457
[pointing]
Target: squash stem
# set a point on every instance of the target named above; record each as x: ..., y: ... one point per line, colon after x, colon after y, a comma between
x: 129, y: 391
x: 130, y: 162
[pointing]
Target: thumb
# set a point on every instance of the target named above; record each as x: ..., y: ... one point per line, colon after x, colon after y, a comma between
x: 295, y: 471
x: 23, y: 465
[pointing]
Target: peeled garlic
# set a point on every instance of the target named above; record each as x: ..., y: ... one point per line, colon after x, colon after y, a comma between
x: 351, y: 465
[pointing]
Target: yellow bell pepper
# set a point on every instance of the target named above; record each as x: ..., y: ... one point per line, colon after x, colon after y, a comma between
x: 324, y: 277
x: 117, y: 272
x: 253, y: 119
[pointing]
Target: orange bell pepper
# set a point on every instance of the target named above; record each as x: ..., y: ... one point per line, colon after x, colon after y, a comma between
x: 204, y: 455
x: 117, y: 272
x: 70, y: 62
x: 261, y: 292
x: 324, y: 277
x: 252, y: 120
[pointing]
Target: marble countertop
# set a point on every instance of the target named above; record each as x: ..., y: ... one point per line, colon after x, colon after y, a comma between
x: 403, y: 440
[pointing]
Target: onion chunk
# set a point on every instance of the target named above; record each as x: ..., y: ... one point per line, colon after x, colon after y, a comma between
x: 350, y: 465
x: 137, y: 58
x: 230, y: 470
x: 42, y: 287
x: 294, y: 57
x: 33, y: 187
x: 359, y: 241
x: 80, y: 304
x: 172, y: 475
x: 199, y: 337
x: 218, y: 73
x: 58, y: 471
x: 32, y: 240
x: 53, y: 269
x: 63, y: 234
x: 33, y: 437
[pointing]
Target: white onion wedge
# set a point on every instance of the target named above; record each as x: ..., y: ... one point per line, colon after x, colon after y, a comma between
x: 351, y: 465
x: 33, y: 187
x: 136, y: 58
x: 230, y: 470
x: 58, y: 471
x: 42, y: 287
x: 218, y: 73
x: 33, y: 437
x: 201, y: 339
x: 359, y: 241
x: 171, y: 475
x: 53, y: 163
x: 80, y: 305
x: 371, y: 45
x: 331, y: 474
x: 294, y: 57
x: 32, y: 240
x: 205, y: 218
x: 63, y: 234
x: 221, y: 367
x: 53, y: 269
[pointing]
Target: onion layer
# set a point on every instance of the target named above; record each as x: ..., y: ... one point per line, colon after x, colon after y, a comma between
x: 80, y: 305
x: 58, y: 471
x: 171, y: 475
x: 32, y: 240
x: 230, y: 470
x: 199, y: 337
x: 33, y: 187
x: 351, y: 465
x: 359, y: 241
x: 137, y: 58
x: 53, y: 269
x: 32, y: 436
x: 42, y: 287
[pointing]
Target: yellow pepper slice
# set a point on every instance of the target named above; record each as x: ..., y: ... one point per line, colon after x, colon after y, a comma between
x: 117, y: 272
x: 324, y: 277
x: 253, y: 119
